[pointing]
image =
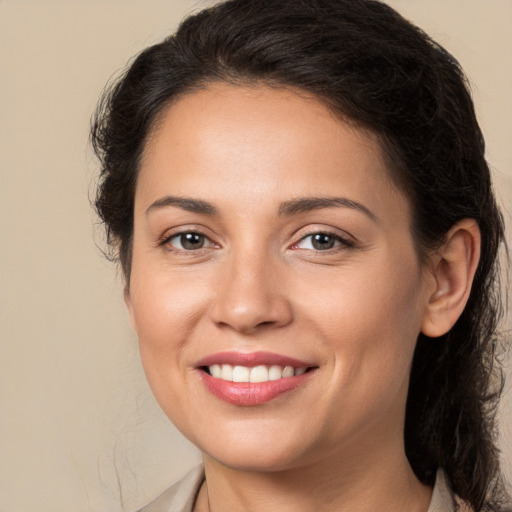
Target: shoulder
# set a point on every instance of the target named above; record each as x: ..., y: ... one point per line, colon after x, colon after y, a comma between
x: 179, y: 497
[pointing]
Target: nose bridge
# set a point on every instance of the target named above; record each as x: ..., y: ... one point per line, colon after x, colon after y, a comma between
x: 249, y: 294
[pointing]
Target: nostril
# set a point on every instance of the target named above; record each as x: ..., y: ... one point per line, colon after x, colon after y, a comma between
x: 267, y: 322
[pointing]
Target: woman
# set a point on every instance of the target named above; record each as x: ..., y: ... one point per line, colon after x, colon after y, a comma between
x: 299, y: 200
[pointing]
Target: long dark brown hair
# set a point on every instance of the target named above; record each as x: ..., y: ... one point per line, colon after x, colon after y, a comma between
x: 372, y: 67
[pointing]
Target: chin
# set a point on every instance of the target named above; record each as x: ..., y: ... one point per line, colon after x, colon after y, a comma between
x: 255, y: 460
x: 252, y: 447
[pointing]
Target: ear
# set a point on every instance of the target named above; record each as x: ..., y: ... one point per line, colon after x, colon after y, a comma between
x: 453, y: 268
x: 129, y: 306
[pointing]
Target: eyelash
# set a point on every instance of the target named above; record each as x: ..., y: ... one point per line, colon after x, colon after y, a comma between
x: 342, y: 243
x: 166, y: 241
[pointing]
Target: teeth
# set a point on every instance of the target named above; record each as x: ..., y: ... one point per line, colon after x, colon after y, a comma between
x: 254, y: 374
x: 259, y: 374
x: 288, y: 372
x: 241, y: 374
x: 226, y: 372
x: 275, y: 372
x: 216, y: 370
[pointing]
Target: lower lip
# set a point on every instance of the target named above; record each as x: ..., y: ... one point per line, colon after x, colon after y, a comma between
x: 251, y: 393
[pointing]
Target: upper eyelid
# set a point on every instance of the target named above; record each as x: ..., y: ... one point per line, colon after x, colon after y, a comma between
x: 303, y: 232
x: 298, y: 234
x: 165, y: 243
x: 181, y: 233
x: 344, y: 240
x: 181, y: 230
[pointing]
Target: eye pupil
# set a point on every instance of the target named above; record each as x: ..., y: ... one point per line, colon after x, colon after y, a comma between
x: 322, y: 241
x: 192, y: 241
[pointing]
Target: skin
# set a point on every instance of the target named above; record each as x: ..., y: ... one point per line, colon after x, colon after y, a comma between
x: 258, y: 284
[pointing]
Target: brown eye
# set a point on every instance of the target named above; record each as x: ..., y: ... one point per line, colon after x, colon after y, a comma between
x: 319, y: 242
x: 190, y: 241
x: 322, y: 241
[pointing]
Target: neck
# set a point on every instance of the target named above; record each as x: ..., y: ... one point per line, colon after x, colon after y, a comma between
x: 379, y: 479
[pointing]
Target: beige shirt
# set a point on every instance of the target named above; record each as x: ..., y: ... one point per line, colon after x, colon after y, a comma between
x: 181, y: 496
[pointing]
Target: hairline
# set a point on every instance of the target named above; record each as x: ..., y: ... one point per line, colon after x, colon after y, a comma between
x: 393, y: 162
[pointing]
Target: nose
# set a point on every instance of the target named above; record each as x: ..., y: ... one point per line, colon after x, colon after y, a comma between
x: 251, y: 295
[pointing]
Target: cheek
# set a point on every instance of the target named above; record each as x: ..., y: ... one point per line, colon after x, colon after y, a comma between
x: 368, y: 320
x: 165, y: 317
x: 166, y: 310
x: 164, y: 307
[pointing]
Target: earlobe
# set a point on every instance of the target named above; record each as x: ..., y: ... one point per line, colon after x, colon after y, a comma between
x: 453, y: 269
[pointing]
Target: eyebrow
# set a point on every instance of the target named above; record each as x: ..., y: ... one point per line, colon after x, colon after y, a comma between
x: 288, y: 208
x: 185, y: 203
x: 308, y: 204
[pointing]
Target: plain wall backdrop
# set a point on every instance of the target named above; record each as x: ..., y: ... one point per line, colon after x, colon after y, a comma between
x: 79, y: 428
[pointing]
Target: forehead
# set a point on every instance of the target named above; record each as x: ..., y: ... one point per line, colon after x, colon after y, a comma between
x: 259, y: 140
x: 221, y: 110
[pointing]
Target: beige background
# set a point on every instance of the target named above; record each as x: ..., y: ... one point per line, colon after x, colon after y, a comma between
x: 79, y: 429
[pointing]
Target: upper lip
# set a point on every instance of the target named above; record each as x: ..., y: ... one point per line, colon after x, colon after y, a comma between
x: 251, y: 359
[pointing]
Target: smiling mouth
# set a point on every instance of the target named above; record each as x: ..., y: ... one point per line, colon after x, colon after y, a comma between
x: 249, y: 379
x: 254, y: 374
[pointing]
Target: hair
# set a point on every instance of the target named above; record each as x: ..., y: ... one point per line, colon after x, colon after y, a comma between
x: 372, y: 67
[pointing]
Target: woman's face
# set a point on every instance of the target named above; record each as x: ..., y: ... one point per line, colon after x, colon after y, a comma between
x: 270, y: 246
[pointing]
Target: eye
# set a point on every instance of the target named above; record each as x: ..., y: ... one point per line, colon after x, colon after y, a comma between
x: 322, y: 242
x: 188, y: 241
